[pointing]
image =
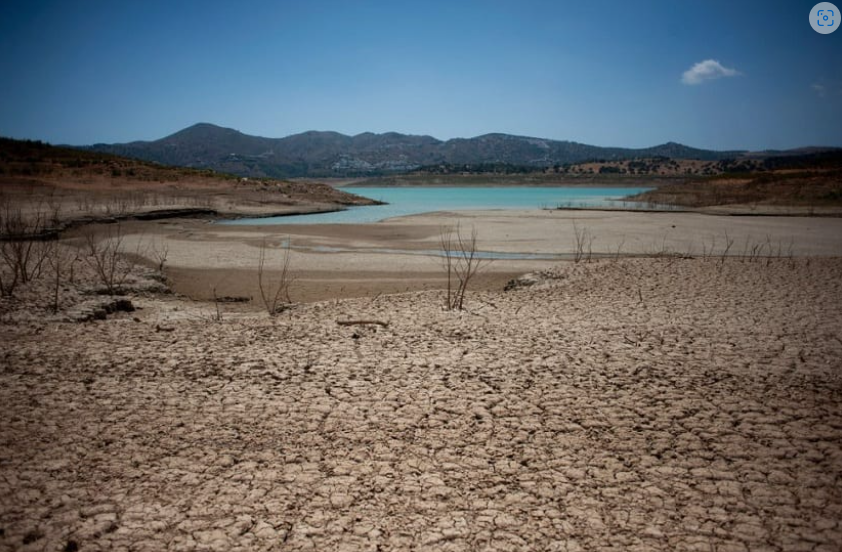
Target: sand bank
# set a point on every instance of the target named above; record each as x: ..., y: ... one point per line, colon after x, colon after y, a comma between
x: 334, y: 261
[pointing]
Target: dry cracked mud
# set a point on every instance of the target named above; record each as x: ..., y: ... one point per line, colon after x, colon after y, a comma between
x: 632, y: 405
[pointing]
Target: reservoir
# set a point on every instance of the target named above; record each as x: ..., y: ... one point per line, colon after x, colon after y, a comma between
x: 403, y: 201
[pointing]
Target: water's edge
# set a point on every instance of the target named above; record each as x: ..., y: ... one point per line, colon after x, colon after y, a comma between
x: 405, y: 201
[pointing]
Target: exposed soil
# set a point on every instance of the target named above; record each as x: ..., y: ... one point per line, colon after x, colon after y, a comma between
x: 642, y: 404
x: 806, y: 192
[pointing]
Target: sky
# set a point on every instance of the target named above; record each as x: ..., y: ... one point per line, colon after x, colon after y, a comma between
x: 706, y: 73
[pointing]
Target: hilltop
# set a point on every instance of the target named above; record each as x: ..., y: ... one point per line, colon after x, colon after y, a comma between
x: 331, y: 154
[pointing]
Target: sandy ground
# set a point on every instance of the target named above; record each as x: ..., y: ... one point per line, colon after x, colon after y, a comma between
x: 398, y: 255
x: 642, y: 404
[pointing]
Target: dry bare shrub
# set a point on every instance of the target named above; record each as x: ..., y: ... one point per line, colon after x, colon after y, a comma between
x: 8, y: 276
x: 22, y: 248
x: 121, y: 204
x: 729, y: 243
x: 60, y: 262
x: 159, y: 253
x: 54, y: 208
x: 461, y: 263
x: 583, y: 241
x: 84, y: 202
x: 619, y: 249
x: 107, y: 258
x: 218, y: 316
x: 274, y: 291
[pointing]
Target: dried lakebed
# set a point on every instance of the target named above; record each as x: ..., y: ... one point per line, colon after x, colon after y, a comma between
x: 632, y: 405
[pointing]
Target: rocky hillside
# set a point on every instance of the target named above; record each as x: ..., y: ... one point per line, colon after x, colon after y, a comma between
x: 332, y: 154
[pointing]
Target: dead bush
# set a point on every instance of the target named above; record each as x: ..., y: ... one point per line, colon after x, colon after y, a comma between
x: 60, y: 262
x: 461, y: 263
x: 22, y: 247
x: 274, y: 291
x: 583, y: 244
x: 107, y: 258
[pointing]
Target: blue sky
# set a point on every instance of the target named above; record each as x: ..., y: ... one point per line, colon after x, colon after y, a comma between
x: 605, y: 73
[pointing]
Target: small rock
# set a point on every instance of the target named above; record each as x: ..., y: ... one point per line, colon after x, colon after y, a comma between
x: 527, y: 280
x: 123, y: 305
x: 226, y: 461
x: 341, y: 500
x: 653, y: 532
x: 264, y: 531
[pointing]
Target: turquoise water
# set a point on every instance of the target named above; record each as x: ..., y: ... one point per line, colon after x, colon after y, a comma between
x: 417, y: 200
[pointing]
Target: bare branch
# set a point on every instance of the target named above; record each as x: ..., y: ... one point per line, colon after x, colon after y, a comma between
x: 461, y: 263
x: 274, y: 293
x: 362, y: 323
x: 107, y: 258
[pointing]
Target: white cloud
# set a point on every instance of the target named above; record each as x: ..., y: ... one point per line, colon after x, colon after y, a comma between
x: 819, y: 89
x: 708, y: 69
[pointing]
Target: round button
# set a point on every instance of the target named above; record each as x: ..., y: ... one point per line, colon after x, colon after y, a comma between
x: 824, y: 18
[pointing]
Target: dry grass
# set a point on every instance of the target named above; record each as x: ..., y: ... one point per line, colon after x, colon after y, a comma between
x: 806, y: 188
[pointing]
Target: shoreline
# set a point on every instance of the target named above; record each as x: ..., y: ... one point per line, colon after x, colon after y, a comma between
x: 231, y: 207
x: 495, y: 185
x: 334, y: 261
x: 231, y: 216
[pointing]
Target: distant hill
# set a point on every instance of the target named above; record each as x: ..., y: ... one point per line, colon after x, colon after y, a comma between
x: 324, y: 154
x: 29, y: 165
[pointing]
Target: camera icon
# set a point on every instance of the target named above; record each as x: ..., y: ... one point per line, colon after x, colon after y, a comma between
x: 826, y: 15
x: 824, y: 18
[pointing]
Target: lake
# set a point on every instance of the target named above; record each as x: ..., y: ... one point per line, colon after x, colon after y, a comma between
x: 417, y: 200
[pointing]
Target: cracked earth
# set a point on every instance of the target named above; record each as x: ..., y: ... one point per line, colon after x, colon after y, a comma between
x: 629, y: 405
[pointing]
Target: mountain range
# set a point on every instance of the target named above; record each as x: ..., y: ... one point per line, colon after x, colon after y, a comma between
x: 325, y: 154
